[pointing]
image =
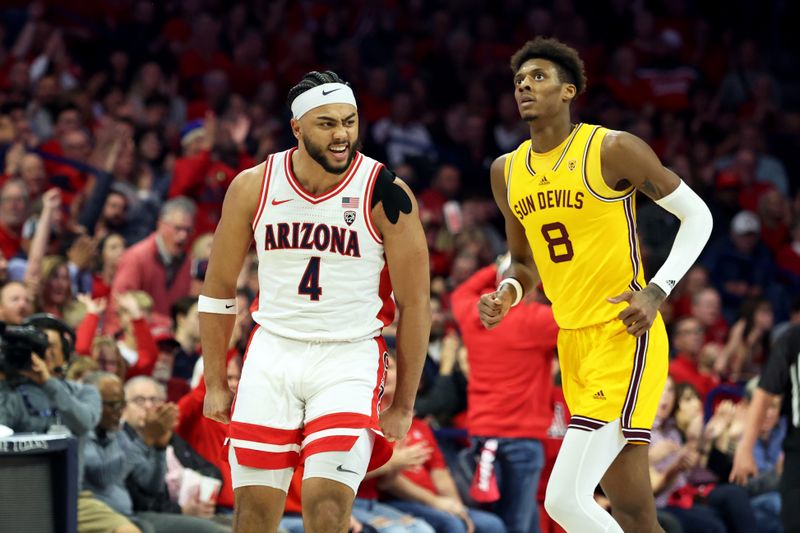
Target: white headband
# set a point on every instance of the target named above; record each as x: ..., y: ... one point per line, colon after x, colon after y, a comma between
x: 327, y: 93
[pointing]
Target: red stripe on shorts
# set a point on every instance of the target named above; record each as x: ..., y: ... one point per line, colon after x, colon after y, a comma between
x: 338, y: 421
x: 264, y: 434
x: 266, y: 460
x: 334, y: 443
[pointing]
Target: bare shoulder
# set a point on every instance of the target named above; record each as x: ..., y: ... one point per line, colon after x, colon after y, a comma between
x: 620, y: 144
x: 627, y: 159
x: 498, y: 168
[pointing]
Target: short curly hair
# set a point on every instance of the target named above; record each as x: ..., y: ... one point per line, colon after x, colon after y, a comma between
x: 310, y: 80
x: 568, y: 62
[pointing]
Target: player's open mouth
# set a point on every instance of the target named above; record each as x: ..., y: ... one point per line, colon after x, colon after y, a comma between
x: 339, y: 152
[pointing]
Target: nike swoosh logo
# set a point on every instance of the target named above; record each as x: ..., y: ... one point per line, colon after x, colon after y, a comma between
x: 326, y: 94
x: 279, y: 202
x: 339, y: 468
x: 228, y: 306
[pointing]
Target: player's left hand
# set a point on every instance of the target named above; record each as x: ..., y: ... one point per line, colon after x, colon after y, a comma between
x: 643, y: 305
x: 395, y: 423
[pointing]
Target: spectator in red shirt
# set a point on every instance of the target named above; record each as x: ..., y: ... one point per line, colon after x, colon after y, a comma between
x: 707, y: 309
x: 207, y: 436
x: 509, y: 390
x: 428, y: 491
x: 159, y: 265
x: 14, y: 210
x: 687, y: 338
x: 212, y: 158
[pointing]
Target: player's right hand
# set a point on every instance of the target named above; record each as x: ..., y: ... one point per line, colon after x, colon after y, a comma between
x: 493, y: 307
x: 744, y: 466
x: 217, y: 405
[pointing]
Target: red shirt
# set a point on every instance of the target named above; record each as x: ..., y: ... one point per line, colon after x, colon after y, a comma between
x: 717, y: 332
x: 10, y: 244
x: 206, y: 437
x: 789, y: 259
x: 507, y: 396
x: 684, y: 370
x: 420, y: 475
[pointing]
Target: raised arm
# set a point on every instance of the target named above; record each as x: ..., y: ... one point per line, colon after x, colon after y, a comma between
x: 396, y: 216
x: 627, y: 160
x: 231, y: 243
x: 522, y: 276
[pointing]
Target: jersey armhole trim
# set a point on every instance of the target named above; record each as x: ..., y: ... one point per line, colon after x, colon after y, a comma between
x: 373, y: 179
x: 264, y: 191
x: 509, y: 169
x: 623, y: 196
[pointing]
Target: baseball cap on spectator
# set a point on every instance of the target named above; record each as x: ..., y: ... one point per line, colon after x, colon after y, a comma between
x: 745, y: 222
x: 191, y: 131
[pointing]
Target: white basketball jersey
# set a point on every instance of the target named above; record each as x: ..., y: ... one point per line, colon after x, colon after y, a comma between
x: 322, y: 272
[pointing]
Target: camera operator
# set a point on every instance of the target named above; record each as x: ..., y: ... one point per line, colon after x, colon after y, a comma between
x: 35, y: 398
x: 50, y: 403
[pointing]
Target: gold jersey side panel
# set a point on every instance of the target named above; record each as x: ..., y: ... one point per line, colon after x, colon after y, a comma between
x: 582, y: 233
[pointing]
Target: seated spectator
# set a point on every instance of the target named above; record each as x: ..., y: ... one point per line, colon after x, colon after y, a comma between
x: 115, y: 460
x: 185, y: 468
x: 208, y: 436
x: 748, y: 343
x: 768, y: 454
x: 687, y: 338
x: 676, y: 455
x: 695, y: 280
x: 706, y: 307
x: 428, y: 491
x: 739, y: 264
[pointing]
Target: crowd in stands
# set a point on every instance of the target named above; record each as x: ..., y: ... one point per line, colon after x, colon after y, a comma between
x: 123, y: 123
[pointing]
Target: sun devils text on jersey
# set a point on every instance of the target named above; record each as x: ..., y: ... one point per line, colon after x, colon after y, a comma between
x: 322, y: 272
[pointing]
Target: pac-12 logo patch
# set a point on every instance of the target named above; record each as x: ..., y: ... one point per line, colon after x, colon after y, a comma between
x: 349, y: 217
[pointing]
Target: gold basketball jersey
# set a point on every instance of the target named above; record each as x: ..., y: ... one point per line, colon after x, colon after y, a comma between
x: 582, y: 232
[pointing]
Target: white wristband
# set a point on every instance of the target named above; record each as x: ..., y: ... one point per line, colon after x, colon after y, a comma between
x: 219, y: 306
x: 517, y: 288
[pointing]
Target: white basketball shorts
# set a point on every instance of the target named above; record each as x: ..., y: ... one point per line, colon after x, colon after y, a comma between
x: 296, y: 399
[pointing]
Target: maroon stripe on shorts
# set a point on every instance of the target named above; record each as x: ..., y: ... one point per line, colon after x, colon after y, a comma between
x: 639, y: 360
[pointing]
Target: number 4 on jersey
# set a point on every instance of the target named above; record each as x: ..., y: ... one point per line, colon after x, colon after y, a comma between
x: 309, y: 283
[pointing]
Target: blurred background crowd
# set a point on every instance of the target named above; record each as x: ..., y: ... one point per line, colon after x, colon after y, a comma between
x: 123, y: 122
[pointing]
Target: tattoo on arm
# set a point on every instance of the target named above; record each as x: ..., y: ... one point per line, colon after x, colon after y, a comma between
x: 394, y: 197
x: 656, y: 294
x: 650, y: 190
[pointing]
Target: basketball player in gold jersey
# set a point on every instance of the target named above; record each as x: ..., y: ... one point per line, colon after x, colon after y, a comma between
x: 568, y: 198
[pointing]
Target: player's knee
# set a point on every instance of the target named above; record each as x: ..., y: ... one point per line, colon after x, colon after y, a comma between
x: 327, y: 511
x: 558, y: 500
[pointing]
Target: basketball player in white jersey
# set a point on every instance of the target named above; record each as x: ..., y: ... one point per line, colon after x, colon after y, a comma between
x: 332, y: 227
